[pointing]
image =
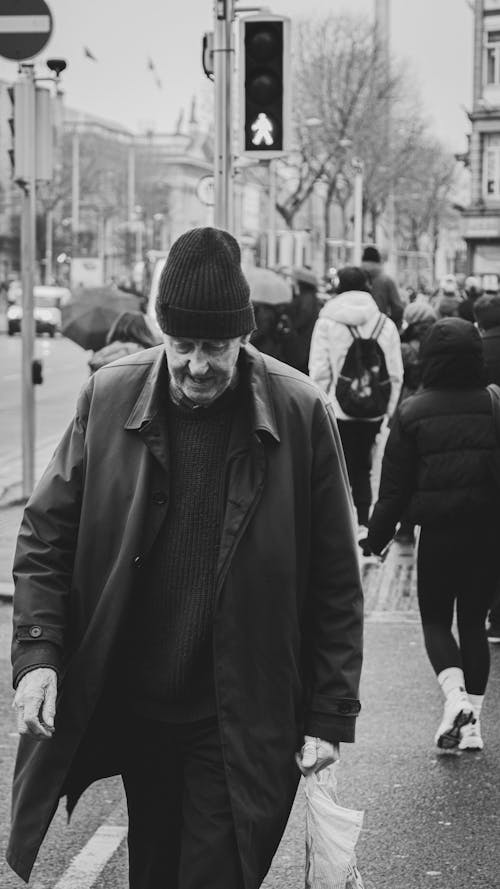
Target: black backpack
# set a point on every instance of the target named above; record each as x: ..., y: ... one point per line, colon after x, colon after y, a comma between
x: 363, y: 387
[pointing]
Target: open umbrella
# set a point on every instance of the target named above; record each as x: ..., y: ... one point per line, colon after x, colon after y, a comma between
x: 88, y: 317
x: 267, y: 286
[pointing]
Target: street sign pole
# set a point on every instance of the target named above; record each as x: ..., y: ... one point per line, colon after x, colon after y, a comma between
x: 223, y: 64
x: 27, y: 269
x: 25, y: 29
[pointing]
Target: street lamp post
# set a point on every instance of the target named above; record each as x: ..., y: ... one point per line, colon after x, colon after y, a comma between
x: 358, y: 209
x: 357, y: 167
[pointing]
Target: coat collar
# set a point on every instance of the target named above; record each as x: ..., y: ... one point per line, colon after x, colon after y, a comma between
x: 151, y: 398
x: 492, y: 333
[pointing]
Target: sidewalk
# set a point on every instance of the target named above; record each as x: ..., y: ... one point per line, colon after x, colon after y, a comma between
x: 12, y: 505
x: 10, y: 519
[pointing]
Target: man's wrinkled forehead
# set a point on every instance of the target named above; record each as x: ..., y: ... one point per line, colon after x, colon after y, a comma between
x: 215, y: 343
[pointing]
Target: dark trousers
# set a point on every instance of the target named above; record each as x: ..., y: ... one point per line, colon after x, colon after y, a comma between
x: 181, y: 832
x: 458, y: 565
x: 358, y: 438
x: 495, y: 610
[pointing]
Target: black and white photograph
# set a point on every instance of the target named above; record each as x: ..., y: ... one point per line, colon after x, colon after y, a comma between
x: 250, y: 444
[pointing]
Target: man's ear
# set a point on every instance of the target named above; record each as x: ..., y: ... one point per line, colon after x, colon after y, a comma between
x: 245, y: 339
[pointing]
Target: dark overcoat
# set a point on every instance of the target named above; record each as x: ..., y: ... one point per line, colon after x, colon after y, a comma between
x: 288, y: 615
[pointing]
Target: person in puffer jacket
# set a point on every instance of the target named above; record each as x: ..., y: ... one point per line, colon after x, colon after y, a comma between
x: 436, y: 466
x: 354, y: 306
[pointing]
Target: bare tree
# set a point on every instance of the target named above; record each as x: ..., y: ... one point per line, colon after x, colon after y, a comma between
x: 342, y: 82
x: 424, y: 196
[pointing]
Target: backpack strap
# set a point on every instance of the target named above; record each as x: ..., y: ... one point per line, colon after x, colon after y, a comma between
x: 494, y: 393
x: 377, y: 330
x: 354, y: 332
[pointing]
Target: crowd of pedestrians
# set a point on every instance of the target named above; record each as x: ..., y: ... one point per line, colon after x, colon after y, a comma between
x: 438, y: 468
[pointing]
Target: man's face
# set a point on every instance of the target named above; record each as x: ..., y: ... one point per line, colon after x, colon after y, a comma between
x: 201, y: 370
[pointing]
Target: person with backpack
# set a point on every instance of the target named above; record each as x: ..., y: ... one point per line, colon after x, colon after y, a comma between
x: 355, y: 358
x: 438, y: 467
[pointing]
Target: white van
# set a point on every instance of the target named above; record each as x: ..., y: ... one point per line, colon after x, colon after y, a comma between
x: 46, y: 310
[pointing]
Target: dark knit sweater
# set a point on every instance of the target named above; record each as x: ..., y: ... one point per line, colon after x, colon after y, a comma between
x: 172, y: 676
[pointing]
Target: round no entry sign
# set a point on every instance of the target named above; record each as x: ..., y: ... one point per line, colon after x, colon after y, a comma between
x: 25, y: 28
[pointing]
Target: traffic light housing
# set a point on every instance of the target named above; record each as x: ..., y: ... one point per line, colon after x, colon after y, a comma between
x: 21, y: 123
x: 265, y: 105
x: 44, y: 127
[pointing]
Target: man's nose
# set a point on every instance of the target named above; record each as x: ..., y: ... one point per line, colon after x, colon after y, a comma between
x: 198, y: 364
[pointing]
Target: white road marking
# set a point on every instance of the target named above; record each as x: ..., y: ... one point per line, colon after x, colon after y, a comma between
x: 91, y: 860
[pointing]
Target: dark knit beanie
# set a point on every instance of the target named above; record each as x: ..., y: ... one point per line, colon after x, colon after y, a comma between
x: 370, y: 254
x: 203, y: 292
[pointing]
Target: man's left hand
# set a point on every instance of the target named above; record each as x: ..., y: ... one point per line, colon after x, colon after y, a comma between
x: 316, y: 754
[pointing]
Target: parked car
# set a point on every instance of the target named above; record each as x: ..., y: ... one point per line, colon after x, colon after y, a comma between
x: 47, y: 310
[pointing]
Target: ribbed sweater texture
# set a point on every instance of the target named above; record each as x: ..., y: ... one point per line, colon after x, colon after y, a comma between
x: 172, y: 679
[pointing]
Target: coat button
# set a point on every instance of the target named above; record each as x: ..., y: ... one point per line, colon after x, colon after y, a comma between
x: 138, y: 562
x: 159, y: 497
x: 345, y: 708
x: 35, y: 632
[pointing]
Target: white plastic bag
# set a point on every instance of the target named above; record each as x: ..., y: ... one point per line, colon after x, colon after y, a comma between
x: 331, y: 835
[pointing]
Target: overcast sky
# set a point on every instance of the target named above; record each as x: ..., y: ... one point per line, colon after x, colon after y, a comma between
x: 433, y: 36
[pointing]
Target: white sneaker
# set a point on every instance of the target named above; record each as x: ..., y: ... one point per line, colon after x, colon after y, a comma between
x: 362, y: 532
x: 457, y: 713
x: 470, y: 736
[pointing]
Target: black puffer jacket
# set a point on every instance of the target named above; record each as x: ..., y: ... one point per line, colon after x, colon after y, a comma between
x: 436, y: 459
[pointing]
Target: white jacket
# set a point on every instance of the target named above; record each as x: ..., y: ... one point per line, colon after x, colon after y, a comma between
x: 331, y: 339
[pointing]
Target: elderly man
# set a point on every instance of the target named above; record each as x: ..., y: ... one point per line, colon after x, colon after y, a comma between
x: 187, y: 579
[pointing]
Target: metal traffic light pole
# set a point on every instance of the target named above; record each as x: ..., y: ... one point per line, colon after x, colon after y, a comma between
x: 223, y: 64
x: 28, y: 236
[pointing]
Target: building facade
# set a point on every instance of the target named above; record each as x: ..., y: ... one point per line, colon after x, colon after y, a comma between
x: 117, y: 194
x: 481, y: 219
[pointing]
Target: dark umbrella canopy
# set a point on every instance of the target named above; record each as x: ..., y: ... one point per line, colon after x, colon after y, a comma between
x: 267, y: 286
x: 88, y: 317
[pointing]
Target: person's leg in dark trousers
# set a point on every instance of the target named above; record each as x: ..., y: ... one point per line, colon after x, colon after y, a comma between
x: 494, y: 618
x: 458, y: 564
x: 209, y: 852
x: 479, y: 579
x: 358, y: 438
x: 436, y: 582
x: 181, y: 833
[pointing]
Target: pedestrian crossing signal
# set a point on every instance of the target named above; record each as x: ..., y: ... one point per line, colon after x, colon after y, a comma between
x: 264, y: 62
x: 263, y: 130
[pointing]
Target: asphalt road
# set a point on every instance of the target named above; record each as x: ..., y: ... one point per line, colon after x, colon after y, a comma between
x: 64, y: 371
x: 431, y: 821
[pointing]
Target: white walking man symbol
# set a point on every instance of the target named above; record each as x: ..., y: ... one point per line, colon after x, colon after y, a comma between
x: 263, y: 130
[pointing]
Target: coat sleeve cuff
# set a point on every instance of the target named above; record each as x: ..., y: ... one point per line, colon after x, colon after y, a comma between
x: 30, y: 656
x: 331, y: 728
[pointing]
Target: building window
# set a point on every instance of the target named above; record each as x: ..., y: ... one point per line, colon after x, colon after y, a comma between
x: 493, y: 57
x: 492, y: 166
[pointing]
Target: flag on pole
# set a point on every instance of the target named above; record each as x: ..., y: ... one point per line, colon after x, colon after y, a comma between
x: 151, y: 67
x: 88, y: 54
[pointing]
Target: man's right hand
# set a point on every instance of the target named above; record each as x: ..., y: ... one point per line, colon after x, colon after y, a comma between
x: 35, y: 703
